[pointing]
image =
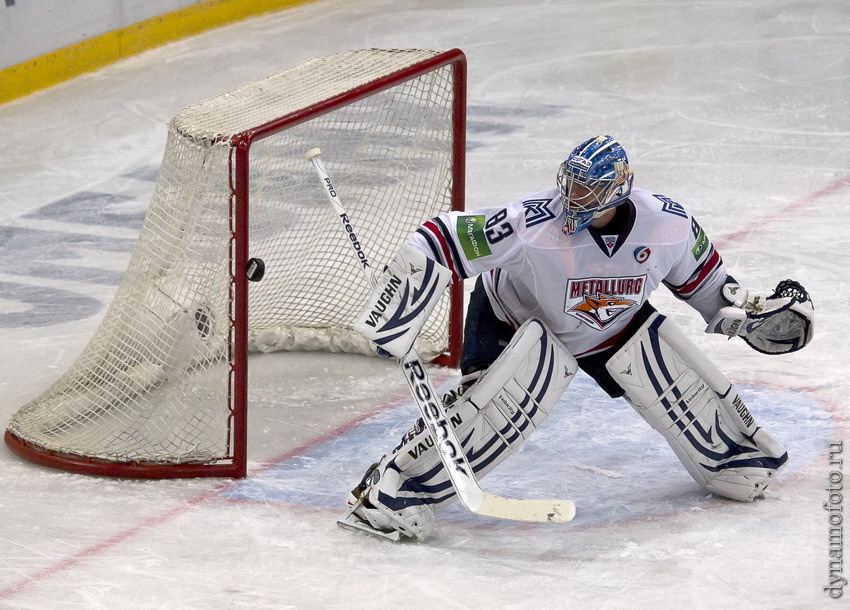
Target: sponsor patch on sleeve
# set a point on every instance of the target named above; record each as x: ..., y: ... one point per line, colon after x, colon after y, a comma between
x: 470, y: 234
x: 701, y: 245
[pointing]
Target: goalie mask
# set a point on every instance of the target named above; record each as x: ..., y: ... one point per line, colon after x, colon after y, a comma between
x: 594, y: 179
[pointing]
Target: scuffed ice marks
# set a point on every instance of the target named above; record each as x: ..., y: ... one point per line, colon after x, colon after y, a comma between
x: 51, y: 257
x: 484, y: 123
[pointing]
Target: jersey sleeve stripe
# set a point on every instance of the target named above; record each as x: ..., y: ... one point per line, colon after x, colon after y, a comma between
x: 438, y: 247
x: 699, y: 277
x: 446, y: 235
x: 443, y: 236
x: 433, y: 247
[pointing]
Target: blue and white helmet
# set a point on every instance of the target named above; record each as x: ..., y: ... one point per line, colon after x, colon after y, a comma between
x: 594, y: 179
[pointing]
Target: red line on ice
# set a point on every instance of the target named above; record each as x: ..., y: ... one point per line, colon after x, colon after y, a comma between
x: 75, y: 559
x: 753, y: 227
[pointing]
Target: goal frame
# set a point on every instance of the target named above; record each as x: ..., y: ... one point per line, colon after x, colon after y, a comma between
x: 239, y: 183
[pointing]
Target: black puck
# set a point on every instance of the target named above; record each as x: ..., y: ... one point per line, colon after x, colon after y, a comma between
x: 204, y: 321
x: 256, y: 269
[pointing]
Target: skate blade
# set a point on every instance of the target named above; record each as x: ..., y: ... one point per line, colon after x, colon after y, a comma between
x: 352, y: 522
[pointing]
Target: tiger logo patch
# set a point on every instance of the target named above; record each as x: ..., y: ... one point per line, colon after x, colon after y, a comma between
x: 601, y: 310
x: 599, y: 302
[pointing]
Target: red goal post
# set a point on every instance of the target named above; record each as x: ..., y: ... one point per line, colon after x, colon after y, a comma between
x: 161, y: 390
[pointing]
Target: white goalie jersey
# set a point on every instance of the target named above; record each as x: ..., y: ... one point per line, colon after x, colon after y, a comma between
x: 586, y: 287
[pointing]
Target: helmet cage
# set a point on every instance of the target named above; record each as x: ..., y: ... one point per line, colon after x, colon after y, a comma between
x: 591, y: 183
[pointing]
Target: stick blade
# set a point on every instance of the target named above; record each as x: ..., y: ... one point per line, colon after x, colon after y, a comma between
x: 536, y: 511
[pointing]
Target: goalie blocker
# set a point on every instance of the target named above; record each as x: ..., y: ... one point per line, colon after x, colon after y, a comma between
x: 402, y: 299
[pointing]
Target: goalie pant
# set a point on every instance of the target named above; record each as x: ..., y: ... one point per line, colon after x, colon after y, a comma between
x: 663, y: 375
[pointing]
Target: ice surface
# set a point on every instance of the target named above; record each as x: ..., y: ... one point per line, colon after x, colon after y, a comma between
x: 738, y: 110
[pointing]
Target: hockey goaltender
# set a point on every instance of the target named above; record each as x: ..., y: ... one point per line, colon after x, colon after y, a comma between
x: 564, y: 278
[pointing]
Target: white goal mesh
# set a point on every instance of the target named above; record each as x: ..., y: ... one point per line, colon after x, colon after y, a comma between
x: 160, y: 389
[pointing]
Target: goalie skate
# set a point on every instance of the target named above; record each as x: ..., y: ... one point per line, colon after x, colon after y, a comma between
x: 369, y: 513
x: 352, y: 521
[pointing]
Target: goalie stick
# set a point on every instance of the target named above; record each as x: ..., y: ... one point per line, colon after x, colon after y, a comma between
x: 469, y: 492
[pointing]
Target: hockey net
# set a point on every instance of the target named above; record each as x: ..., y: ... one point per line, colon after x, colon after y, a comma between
x: 161, y: 389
